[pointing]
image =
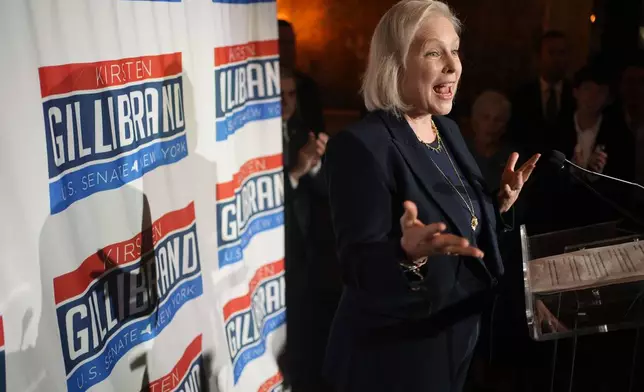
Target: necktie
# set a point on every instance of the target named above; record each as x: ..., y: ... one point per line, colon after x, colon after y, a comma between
x: 551, y: 105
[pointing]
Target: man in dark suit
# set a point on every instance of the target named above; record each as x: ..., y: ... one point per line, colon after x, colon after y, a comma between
x: 537, y: 109
x: 302, y: 152
x: 540, y: 104
x: 311, y: 265
x: 308, y: 95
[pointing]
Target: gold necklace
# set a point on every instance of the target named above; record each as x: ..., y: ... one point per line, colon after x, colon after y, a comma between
x: 474, y: 221
x: 438, y: 139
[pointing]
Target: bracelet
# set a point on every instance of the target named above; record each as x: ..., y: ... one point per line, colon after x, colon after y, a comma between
x: 415, y: 266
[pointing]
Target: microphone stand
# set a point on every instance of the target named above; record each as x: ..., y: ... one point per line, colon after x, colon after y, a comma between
x: 603, y: 175
x: 605, y: 199
x: 634, y: 220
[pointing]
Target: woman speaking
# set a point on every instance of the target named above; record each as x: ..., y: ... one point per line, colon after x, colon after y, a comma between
x: 415, y: 223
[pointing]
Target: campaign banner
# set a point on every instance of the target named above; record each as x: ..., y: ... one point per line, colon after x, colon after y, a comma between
x: 186, y: 376
x: 250, y: 318
x: 109, y: 123
x: 143, y: 157
x: 249, y: 204
x: 125, y: 295
x: 246, y: 85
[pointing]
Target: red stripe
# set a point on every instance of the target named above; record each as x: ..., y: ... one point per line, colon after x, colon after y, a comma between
x: 173, y: 379
x: 240, y: 303
x: 271, y: 383
x: 60, y: 79
x: 1, y: 332
x: 226, y: 190
x: 75, y: 282
x: 237, y: 53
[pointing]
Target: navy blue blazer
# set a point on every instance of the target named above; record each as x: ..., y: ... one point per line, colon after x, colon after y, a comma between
x: 372, y: 168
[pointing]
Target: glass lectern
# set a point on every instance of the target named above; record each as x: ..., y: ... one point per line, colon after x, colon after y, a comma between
x: 583, y: 281
x: 603, y: 280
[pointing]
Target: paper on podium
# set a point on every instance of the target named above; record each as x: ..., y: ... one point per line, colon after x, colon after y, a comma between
x: 588, y: 268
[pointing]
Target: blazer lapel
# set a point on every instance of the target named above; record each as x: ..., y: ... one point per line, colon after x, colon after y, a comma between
x: 472, y: 172
x: 465, y: 160
x: 467, y: 165
x: 427, y: 174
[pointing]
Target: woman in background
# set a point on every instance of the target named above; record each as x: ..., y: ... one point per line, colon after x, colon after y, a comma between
x: 490, y: 115
x: 504, y: 342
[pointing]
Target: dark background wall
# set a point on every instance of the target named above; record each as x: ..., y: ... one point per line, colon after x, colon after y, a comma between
x: 619, y: 29
x: 498, y: 41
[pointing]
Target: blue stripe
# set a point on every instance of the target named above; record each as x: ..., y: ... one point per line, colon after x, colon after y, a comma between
x: 101, y: 177
x: 100, y: 367
x: 3, y: 383
x: 252, y: 112
x: 258, y: 224
x: 257, y: 350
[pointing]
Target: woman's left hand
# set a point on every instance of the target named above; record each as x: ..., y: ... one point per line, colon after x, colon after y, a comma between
x: 512, y: 180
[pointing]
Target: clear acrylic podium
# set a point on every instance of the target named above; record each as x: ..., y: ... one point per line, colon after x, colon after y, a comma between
x: 571, y: 313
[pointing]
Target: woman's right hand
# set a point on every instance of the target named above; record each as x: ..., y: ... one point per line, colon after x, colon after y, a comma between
x: 420, y: 240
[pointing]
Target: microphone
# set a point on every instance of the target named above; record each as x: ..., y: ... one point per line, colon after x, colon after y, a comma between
x: 558, y: 159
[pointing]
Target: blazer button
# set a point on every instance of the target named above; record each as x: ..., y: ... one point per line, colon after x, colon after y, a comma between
x: 495, y: 281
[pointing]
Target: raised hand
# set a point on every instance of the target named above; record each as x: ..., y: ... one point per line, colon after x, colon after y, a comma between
x: 512, y: 180
x: 420, y: 240
x: 578, y: 157
x: 310, y: 154
x: 597, y: 161
x: 320, y: 143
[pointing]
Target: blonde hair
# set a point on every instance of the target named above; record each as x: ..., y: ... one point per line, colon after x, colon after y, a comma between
x: 494, y: 98
x: 388, y: 51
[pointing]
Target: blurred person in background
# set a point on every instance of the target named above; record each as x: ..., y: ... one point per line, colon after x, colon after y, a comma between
x: 538, y: 109
x: 539, y: 105
x: 630, y: 111
x: 503, y: 333
x: 597, y: 140
x: 308, y: 94
x: 489, y: 121
x: 312, y: 277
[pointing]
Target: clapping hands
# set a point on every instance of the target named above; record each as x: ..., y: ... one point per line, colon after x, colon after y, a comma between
x: 310, y: 154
